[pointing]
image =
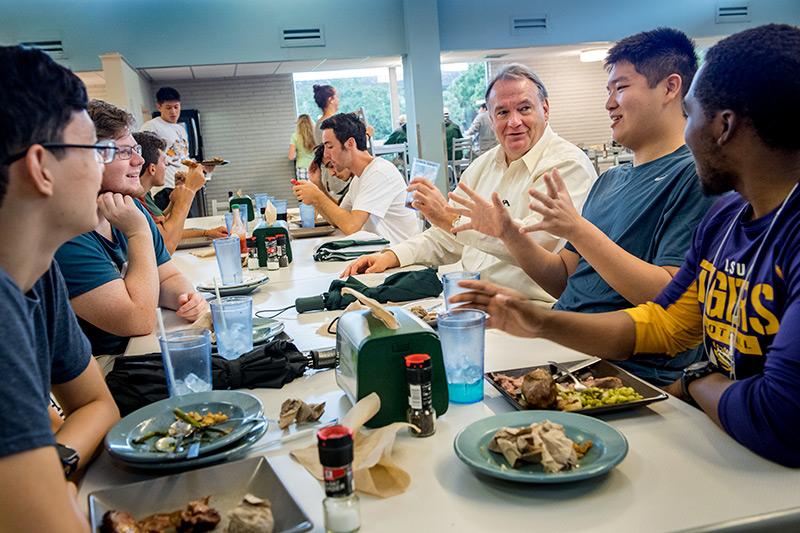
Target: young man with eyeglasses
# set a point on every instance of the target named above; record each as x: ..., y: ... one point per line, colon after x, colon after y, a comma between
x: 119, y: 273
x: 170, y: 223
x: 50, y: 175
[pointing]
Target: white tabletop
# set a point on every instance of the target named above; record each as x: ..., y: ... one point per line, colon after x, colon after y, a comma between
x: 682, y: 471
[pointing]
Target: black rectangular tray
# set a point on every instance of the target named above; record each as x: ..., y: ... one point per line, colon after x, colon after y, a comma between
x: 600, y: 369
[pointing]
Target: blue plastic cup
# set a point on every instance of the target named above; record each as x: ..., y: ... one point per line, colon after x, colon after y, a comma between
x: 308, y: 215
x: 229, y: 259
x: 228, y: 222
x: 451, y: 287
x: 186, y: 354
x: 462, y: 336
x: 233, y: 325
x: 280, y: 208
x: 261, y: 202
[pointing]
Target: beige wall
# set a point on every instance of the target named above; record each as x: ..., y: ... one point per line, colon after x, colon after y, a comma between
x: 126, y: 88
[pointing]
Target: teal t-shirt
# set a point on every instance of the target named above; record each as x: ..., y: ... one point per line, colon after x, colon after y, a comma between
x: 651, y: 211
x: 89, y: 261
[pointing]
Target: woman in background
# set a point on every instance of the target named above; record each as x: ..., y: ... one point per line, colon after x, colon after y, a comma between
x: 301, y: 146
x: 328, y: 102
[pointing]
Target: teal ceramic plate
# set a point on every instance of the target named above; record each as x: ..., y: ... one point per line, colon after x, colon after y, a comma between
x: 233, y: 451
x: 609, y: 446
x: 264, y: 330
x: 243, y: 407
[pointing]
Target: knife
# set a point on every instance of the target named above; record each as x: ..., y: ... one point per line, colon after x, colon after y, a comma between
x: 557, y: 376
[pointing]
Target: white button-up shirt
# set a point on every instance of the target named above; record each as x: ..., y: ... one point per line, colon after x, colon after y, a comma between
x: 490, y: 173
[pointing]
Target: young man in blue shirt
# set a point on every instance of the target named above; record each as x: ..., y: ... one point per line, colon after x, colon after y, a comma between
x: 637, y: 222
x: 119, y: 273
x: 738, y: 293
x: 50, y: 174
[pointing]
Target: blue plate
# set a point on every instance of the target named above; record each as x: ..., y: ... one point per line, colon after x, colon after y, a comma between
x: 233, y: 451
x: 158, y: 416
x: 609, y: 446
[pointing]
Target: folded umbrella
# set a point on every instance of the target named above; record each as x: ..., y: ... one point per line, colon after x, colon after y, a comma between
x: 335, y: 250
x: 136, y: 381
x: 399, y: 287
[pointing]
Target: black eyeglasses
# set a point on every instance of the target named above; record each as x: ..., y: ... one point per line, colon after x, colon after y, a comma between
x: 103, y: 151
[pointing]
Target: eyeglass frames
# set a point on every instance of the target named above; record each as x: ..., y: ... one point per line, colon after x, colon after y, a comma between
x: 103, y: 151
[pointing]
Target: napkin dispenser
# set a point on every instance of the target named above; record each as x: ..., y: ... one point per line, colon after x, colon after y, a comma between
x: 371, y: 359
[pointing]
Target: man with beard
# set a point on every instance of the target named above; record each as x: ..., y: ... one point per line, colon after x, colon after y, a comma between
x: 119, y: 273
x: 738, y: 292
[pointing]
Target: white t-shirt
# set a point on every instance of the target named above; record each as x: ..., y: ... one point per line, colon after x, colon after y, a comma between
x: 381, y: 192
x: 177, y: 147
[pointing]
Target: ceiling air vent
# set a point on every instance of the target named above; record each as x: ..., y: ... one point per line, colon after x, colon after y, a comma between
x: 732, y: 11
x: 527, y: 25
x: 54, y: 48
x: 294, y: 37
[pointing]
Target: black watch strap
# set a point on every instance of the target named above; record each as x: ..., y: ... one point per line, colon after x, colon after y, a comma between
x: 69, y: 459
x: 694, y: 372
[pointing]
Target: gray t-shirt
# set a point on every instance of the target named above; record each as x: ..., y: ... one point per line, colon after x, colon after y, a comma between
x: 42, y: 345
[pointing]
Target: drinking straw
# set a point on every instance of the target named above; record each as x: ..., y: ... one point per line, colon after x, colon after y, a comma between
x: 165, y: 346
x: 219, y: 303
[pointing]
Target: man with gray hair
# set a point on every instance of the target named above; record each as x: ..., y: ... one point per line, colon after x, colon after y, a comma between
x: 519, y: 111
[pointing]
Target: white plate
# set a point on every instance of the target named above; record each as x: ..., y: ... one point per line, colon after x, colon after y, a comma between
x: 249, y: 279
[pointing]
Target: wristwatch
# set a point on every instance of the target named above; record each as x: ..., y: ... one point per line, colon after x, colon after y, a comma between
x: 69, y: 459
x: 693, y: 372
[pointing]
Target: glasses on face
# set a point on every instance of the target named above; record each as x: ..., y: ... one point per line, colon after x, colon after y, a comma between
x: 126, y: 152
x: 103, y: 151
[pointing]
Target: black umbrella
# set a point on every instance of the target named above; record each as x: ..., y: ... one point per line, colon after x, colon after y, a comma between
x: 139, y: 380
x: 399, y: 287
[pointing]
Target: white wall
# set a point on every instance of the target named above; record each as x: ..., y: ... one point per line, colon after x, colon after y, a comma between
x: 248, y: 121
x: 577, y: 95
x: 126, y: 88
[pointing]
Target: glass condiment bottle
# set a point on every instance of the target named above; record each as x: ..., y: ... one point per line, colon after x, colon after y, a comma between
x: 283, y: 257
x: 272, y: 254
x: 340, y: 507
x: 420, y: 395
x: 239, y: 229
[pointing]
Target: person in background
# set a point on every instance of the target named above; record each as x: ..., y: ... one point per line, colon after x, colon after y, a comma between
x: 375, y: 200
x: 327, y: 100
x: 50, y: 175
x: 399, y: 135
x: 451, y: 131
x: 481, y: 130
x: 166, y: 126
x: 321, y: 162
x: 170, y: 224
x: 637, y: 223
x: 301, y: 146
x: 528, y: 149
x: 119, y: 273
x: 738, y: 291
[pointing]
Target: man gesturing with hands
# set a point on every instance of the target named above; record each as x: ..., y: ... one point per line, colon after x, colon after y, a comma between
x: 117, y: 274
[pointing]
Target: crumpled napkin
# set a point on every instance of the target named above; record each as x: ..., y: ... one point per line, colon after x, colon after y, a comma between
x: 204, y: 252
x: 294, y: 410
x: 374, y: 471
x: 204, y: 321
x: 270, y: 213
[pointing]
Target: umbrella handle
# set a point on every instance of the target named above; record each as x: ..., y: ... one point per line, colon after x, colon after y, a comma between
x: 310, y: 303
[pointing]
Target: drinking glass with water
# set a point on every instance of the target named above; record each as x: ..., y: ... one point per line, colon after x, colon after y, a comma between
x: 187, y: 360
x: 462, y: 336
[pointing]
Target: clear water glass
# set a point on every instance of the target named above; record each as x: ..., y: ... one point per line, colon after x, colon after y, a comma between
x: 451, y: 287
x: 229, y: 259
x: 233, y: 325
x: 186, y: 354
x: 462, y: 335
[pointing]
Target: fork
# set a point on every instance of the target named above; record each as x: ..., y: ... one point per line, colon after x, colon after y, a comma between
x: 578, y: 385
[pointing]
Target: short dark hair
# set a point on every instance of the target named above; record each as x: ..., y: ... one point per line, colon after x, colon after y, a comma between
x: 319, y: 155
x: 37, y: 100
x: 515, y: 71
x: 151, y: 145
x: 346, y: 125
x: 110, y: 121
x: 657, y: 54
x: 756, y: 74
x: 167, y: 94
x: 322, y: 93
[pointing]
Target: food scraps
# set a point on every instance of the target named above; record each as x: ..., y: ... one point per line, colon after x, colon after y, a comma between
x: 540, y: 443
x: 294, y: 410
x: 196, y: 517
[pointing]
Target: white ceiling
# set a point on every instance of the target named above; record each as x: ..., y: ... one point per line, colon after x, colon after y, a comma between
x: 505, y: 55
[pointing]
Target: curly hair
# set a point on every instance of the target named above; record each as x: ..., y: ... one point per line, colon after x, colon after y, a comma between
x: 756, y: 74
x: 110, y: 121
x: 657, y: 54
x: 346, y: 125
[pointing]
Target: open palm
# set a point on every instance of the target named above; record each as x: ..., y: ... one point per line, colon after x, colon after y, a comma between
x: 490, y: 218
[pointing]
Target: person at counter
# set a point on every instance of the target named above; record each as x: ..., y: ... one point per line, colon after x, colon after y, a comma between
x: 738, y: 291
x: 375, y: 200
x: 637, y: 223
x: 50, y: 175
x: 170, y: 223
x: 118, y: 273
x: 528, y: 149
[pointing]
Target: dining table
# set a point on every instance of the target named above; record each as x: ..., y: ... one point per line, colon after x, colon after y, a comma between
x: 682, y: 472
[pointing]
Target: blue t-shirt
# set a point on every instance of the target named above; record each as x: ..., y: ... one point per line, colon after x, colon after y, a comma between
x: 42, y: 345
x: 650, y: 211
x: 761, y: 409
x: 89, y: 261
